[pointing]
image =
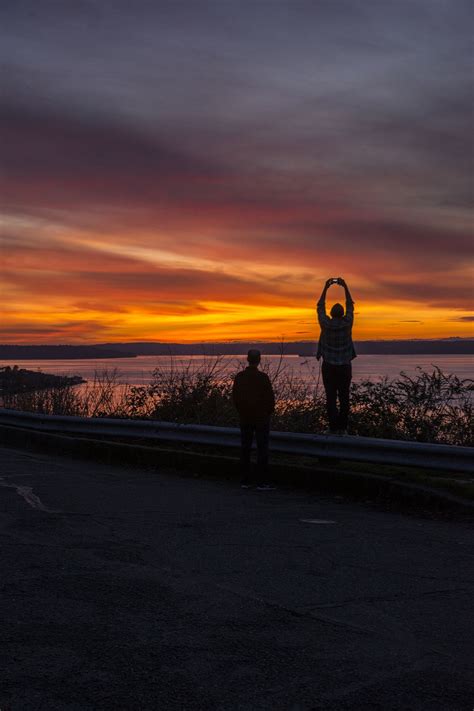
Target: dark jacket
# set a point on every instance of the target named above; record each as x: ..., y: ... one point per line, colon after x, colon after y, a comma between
x: 253, y: 396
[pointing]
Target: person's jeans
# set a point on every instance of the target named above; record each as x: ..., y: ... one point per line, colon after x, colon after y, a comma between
x: 337, y: 383
x: 262, y: 435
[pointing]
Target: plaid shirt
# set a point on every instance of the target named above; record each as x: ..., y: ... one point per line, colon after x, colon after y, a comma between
x: 335, y: 342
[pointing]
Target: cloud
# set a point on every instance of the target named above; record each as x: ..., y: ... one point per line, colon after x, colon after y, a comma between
x: 28, y: 331
x: 98, y: 306
x: 55, y: 159
x: 87, y: 274
x: 109, y: 177
x: 450, y: 293
x: 165, y: 155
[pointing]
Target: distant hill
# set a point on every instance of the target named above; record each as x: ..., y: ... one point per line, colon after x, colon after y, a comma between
x: 305, y: 348
x: 8, y: 352
x: 449, y: 346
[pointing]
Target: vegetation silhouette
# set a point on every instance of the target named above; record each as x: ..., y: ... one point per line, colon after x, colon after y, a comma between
x: 430, y: 406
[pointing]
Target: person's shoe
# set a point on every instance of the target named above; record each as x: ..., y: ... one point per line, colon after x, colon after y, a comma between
x: 265, y: 487
x: 245, y: 484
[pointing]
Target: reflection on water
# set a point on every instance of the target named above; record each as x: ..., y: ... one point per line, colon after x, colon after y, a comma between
x: 137, y: 371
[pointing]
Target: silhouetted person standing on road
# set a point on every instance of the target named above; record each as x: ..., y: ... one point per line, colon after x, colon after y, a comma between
x: 337, y: 351
x: 254, y: 400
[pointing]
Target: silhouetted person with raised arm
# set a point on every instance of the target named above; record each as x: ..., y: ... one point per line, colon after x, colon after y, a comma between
x: 254, y: 400
x: 337, y: 351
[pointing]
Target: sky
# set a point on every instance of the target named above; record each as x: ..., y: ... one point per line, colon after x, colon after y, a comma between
x: 194, y: 171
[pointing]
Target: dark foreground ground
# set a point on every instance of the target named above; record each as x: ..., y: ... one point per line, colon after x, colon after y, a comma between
x: 129, y: 590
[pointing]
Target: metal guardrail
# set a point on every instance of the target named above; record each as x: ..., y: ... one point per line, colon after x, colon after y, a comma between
x: 362, y: 449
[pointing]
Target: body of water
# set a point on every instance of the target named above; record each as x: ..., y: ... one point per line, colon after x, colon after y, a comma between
x: 137, y: 371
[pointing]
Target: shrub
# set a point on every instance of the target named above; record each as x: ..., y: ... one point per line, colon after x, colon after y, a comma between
x: 427, y: 407
x: 199, y: 394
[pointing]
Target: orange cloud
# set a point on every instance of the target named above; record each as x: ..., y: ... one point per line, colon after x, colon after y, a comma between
x: 115, y: 233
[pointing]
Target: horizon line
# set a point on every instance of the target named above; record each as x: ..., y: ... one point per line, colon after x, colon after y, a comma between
x: 232, y: 342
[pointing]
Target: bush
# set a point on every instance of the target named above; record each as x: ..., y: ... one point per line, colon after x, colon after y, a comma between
x: 186, y: 393
x: 103, y: 397
x: 428, y: 407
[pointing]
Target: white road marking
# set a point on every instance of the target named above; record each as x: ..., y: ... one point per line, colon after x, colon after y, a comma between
x: 26, y: 493
x: 315, y: 520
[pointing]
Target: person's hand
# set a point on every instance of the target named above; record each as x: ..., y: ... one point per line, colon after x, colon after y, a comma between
x: 341, y: 281
x: 328, y: 283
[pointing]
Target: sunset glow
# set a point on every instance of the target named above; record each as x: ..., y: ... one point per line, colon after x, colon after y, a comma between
x: 198, y: 176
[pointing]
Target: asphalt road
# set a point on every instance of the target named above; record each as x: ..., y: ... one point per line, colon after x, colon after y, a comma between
x: 125, y: 589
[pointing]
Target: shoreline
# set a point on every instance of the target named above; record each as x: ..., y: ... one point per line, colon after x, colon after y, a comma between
x: 14, y: 380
